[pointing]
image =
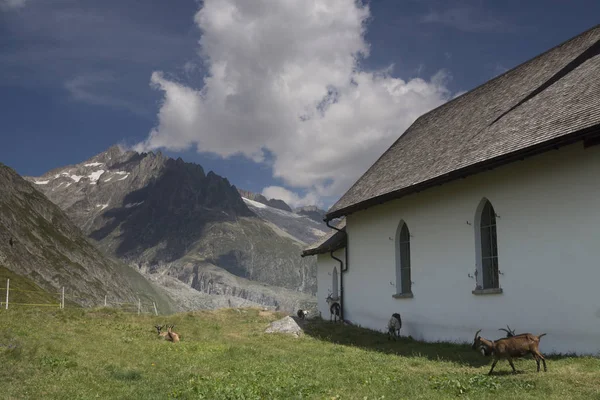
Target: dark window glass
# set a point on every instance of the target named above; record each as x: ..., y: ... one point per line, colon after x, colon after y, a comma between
x: 405, y: 259
x: 489, y: 247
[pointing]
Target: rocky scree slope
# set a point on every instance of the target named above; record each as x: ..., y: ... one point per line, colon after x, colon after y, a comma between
x: 172, y: 220
x: 312, y: 212
x: 39, y: 242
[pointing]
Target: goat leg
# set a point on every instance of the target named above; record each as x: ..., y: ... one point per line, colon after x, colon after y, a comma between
x: 493, y: 365
x: 510, y: 361
x: 537, y: 361
x: 541, y: 357
x: 544, y: 362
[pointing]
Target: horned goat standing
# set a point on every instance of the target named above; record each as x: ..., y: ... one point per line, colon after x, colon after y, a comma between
x: 334, y: 308
x: 394, y: 326
x: 510, y: 347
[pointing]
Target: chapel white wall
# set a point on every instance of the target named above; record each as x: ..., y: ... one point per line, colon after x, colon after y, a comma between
x: 548, y: 230
x: 325, y: 267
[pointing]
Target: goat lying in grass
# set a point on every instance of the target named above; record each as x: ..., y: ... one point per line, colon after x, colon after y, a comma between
x: 510, y: 347
x: 394, y: 326
x: 169, y: 334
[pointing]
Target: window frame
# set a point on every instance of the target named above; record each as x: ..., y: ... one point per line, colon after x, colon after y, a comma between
x: 403, y: 268
x: 486, y: 245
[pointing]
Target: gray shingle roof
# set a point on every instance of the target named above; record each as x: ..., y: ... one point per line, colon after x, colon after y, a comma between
x: 332, y: 241
x: 550, y: 100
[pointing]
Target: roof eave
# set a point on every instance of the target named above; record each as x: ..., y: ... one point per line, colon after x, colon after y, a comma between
x: 322, y: 250
x: 591, y: 133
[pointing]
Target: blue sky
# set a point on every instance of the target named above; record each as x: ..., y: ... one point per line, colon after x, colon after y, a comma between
x: 75, y: 78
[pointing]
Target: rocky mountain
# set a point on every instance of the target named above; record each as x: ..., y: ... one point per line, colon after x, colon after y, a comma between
x: 40, y: 243
x: 178, y: 224
x: 275, y: 203
x: 299, y: 227
x: 312, y: 212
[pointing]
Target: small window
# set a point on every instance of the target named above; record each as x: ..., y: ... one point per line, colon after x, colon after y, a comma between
x: 403, y: 282
x: 488, y: 259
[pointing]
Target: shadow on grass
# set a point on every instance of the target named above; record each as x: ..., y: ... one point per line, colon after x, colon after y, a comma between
x: 367, y: 339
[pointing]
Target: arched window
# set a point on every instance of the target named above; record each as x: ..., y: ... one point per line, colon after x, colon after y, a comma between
x: 403, y: 283
x: 487, y: 254
x: 334, y: 283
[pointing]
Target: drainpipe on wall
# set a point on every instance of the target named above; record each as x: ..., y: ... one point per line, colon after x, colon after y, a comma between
x: 342, y: 269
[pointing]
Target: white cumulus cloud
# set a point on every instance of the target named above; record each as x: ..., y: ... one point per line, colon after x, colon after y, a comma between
x: 284, y: 76
x: 292, y: 199
x: 11, y: 4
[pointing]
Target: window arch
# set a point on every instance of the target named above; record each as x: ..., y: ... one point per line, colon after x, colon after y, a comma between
x: 334, y: 283
x: 403, y: 280
x: 487, y: 246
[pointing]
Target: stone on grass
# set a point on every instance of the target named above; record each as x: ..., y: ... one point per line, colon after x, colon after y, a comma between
x: 285, y: 325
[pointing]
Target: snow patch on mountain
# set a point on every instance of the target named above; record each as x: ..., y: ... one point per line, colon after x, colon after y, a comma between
x: 254, y: 203
x: 318, y: 232
x: 94, y: 176
x: 299, y: 227
x: 76, y: 178
x: 129, y: 205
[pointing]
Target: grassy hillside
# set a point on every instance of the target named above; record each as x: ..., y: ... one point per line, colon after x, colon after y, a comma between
x: 24, y: 290
x: 77, y: 354
x: 40, y: 244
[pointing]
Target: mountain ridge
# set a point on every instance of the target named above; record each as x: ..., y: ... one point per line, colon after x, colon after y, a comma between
x: 311, y: 211
x: 168, y: 217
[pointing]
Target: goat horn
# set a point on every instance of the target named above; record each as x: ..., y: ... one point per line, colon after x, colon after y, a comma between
x: 476, y: 333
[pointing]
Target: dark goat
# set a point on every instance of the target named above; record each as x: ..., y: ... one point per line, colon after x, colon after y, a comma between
x: 334, y: 308
x: 509, y: 348
x: 509, y: 332
x: 394, y: 326
x: 302, y: 313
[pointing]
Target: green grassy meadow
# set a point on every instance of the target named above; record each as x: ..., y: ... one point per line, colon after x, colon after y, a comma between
x: 108, y: 354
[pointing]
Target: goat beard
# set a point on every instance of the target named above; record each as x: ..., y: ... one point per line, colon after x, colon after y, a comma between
x: 485, y: 351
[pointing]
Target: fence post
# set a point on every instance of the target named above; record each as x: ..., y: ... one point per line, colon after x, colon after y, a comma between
x: 139, y: 306
x: 7, y: 288
x: 104, y: 300
x: 155, y: 310
x: 62, y: 298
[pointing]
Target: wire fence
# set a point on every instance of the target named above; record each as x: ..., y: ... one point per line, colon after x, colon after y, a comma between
x: 9, y: 296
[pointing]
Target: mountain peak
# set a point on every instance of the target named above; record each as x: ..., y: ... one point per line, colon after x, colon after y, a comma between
x: 114, y: 151
x: 312, y: 212
x: 275, y: 203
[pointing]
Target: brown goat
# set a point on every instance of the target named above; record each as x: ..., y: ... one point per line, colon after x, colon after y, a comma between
x: 174, y: 337
x: 511, y: 347
x: 158, y: 329
x: 169, y: 334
